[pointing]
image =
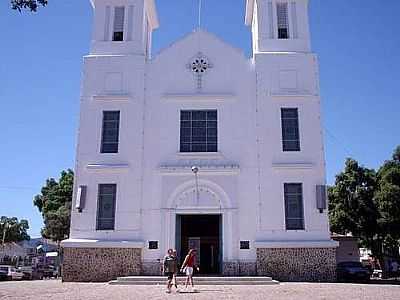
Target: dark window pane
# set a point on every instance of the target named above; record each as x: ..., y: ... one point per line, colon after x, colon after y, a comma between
x: 109, y: 148
x: 185, y: 147
x: 199, y: 148
x: 212, y: 115
x: 198, y: 131
x: 212, y: 124
x: 211, y: 131
x: 111, y: 115
x: 118, y: 36
x: 212, y: 139
x: 153, y: 245
x: 290, y: 129
x: 185, y: 139
x: 186, y: 131
x: 199, y: 124
x: 110, y: 132
x: 294, y: 211
x: 199, y: 115
x: 283, y: 33
x: 186, y: 124
x: 201, y: 131
x: 291, y: 146
x: 106, y: 206
x: 245, y: 245
x: 118, y: 30
x: 212, y: 148
x: 197, y: 139
x: 186, y: 115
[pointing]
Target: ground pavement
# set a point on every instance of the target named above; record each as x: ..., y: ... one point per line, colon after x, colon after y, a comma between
x: 54, y: 289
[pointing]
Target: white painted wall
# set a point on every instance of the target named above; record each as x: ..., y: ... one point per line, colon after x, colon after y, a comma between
x: 243, y: 181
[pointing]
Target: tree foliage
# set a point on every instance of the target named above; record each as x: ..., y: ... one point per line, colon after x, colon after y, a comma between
x: 351, y: 202
x: 15, y: 231
x: 31, y: 5
x: 388, y: 199
x: 54, y: 202
x: 367, y: 204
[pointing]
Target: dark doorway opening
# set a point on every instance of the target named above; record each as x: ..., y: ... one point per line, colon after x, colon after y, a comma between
x: 203, y: 233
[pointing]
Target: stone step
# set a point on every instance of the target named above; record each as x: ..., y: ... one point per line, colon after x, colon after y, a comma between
x: 157, y: 280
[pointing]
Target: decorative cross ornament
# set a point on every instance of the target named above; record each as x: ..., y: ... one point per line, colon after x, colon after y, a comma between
x: 199, y: 65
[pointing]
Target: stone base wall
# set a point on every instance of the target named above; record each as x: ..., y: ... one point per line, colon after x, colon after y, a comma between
x: 152, y: 268
x: 239, y: 268
x: 297, y: 264
x: 100, y: 264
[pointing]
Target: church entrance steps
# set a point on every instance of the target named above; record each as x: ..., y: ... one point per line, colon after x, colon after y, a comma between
x: 201, y: 280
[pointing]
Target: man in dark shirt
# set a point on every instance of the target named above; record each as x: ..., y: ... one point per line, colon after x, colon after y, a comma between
x: 170, y: 268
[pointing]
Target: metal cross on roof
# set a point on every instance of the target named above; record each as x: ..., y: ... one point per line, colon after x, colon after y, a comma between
x: 199, y: 65
x: 200, y: 8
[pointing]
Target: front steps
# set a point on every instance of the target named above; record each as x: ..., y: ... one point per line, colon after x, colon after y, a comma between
x: 158, y: 280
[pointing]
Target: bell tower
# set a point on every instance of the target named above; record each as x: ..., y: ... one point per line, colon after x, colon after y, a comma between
x: 279, y: 25
x: 123, y: 27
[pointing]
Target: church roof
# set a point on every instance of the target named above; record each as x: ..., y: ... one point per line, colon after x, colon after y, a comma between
x: 201, y: 34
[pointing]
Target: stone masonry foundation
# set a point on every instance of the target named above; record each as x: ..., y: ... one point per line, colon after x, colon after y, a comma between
x: 297, y: 264
x: 99, y: 264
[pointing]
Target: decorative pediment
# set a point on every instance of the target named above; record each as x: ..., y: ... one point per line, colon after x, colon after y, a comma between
x: 214, y: 163
x: 204, y: 197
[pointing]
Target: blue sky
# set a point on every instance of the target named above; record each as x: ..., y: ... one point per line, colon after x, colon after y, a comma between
x: 357, y: 42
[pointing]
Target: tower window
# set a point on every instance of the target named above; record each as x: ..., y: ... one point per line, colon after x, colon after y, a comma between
x: 294, y: 211
x: 107, y: 195
x: 119, y: 19
x: 283, y: 20
x: 290, y: 129
x: 110, y: 132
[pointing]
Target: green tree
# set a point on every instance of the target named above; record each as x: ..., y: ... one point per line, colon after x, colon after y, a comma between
x: 54, y: 202
x: 12, y: 230
x: 31, y: 5
x: 352, y: 208
x: 388, y: 201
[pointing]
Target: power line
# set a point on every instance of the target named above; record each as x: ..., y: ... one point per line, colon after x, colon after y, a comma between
x: 340, y: 143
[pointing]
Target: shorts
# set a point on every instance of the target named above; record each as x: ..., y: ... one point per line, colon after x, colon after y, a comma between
x: 170, y: 275
x: 189, y: 271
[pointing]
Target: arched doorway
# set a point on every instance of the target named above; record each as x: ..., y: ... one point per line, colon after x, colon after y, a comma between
x: 202, y: 232
x: 200, y: 219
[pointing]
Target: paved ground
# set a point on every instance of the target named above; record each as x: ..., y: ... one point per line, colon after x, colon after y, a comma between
x: 54, y: 289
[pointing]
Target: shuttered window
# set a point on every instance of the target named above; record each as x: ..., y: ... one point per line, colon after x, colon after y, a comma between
x: 294, y: 211
x: 110, y: 132
x: 107, y: 195
x: 290, y: 129
x: 283, y: 20
x: 119, y: 19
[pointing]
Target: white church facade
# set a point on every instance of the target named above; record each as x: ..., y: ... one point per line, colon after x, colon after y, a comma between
x: 200, y: 147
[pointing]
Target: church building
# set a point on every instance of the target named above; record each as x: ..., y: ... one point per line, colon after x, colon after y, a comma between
x: 200, y: 147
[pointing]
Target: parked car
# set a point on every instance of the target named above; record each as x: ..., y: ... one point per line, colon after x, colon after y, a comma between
x: 353, y: 271
x: 3, y: 273
x: 27, y: 272
x: 12, y: 273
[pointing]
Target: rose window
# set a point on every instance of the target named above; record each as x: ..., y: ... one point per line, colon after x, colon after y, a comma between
x: 200, y: 65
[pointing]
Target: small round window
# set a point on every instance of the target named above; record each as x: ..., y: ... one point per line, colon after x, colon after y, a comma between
x: 199, y: 65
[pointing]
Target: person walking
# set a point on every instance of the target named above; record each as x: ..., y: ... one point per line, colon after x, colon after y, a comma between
x: 170, y: 266
x: 174, y: 281
x: 188, y: 266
